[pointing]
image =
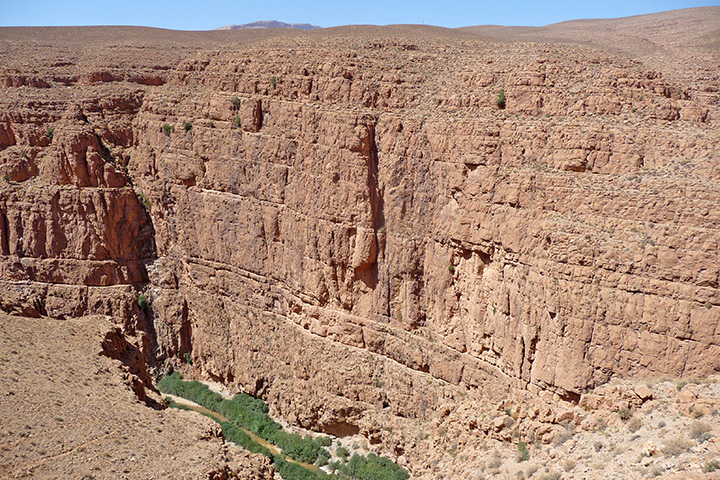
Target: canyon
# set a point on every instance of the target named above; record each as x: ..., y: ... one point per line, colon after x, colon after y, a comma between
x: 346, y: 223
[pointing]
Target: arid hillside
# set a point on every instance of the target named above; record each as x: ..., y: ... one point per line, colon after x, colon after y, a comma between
x: 377, y: 229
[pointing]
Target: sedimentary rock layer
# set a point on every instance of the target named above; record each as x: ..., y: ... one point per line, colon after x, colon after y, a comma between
x: 344, y: 221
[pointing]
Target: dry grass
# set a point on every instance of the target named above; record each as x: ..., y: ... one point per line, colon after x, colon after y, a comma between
x: 676, y: 446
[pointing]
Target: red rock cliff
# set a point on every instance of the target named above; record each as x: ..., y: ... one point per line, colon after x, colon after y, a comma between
x: 345, y: 222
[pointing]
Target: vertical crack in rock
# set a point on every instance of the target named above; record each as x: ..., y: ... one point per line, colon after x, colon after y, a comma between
x: 257, y: 115
x: 4, y: 234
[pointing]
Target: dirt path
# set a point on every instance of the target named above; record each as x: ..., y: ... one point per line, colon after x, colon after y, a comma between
x: 205, y: 411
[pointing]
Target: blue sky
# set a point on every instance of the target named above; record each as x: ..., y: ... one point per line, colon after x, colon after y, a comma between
x: 199, y: 15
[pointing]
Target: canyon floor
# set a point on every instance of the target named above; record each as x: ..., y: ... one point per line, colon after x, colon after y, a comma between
x: 486, y: 252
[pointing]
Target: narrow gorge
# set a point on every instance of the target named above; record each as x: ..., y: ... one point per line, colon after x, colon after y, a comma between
x: 345, y: 223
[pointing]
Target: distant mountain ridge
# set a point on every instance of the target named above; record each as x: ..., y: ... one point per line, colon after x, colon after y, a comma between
x: 270, y: 24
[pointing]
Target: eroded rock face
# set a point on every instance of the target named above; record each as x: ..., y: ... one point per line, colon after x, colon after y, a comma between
x: 368, y: 232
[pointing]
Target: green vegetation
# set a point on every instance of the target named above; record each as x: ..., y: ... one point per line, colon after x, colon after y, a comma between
x: 142, y: 302
x: 211, y: 124
x: 323, y: 458
x: 188, y: 358
x: 252, y: 414
x: 371, y: 468
x: 711, y: 466
x: 342, y: 452
x: 236, y: 102
x: 144, y: 200
x: 238, y: 121
x: 187, y: 126
x: 500, y: 100
x: 523, y: 454
x: 232, y: 433
x: 50, y: 133
x: 273, y: 81
x: 451, y: 269
x: 168, y: 129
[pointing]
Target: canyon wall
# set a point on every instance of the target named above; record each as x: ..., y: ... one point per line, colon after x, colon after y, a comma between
x: 347, y: 224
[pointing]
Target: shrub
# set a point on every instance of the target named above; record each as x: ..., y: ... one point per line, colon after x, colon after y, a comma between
x: 711, y: 466
x: 168, y: 129
x: 494, y: 462
x: 323, y: 458
x: 237, y: 435
x: 211, y: 124
x: 451, y: 268
x: 634, y: 425
x: 188, y: 358
x: 50, y: 133
x: 700, y: 431
x: 236, y: 102
x: 187, y: 126
x: 568, y: 464
x: 273, y: 81
x: 676, y: 446
x: 238, y: 121
x: 342, y: 452
x: 551, y: 476
x: 144, y: 200
x: 500, y: 100
x: 601, y: 425
x: 372, y: 468
x: 291, y: 471
x: 523, y: 455
x: 142, y: 302
x: 563, y: 436
x: 625, y: 414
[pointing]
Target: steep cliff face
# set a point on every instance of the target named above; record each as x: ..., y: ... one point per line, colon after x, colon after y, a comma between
x: 346, y: 223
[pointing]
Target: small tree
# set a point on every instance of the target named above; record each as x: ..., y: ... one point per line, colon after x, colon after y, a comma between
x: 187, y: 126
x: 167, y: 129
x: 273, y: 81
x: 50, y: 133
x: 236, y: 102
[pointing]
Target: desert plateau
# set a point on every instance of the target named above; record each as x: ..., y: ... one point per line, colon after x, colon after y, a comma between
x: 362, y: 252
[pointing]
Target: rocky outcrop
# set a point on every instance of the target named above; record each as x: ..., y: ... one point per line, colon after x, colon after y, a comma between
x: 348, y: 225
